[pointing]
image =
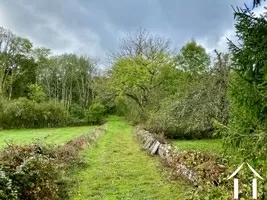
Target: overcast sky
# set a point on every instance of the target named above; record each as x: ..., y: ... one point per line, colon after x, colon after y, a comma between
x: 94, y: 26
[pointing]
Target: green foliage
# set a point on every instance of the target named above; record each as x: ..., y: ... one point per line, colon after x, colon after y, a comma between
x: 77, y: 111
x: 132, y: 114
x: 40, y: 178
x: 8, y: 191
x: 77, y: 116
x: 224, y: 191
x: 141, y: 70
x: 31, y: 173
x: 39, y: 76
x: 191, y: 115
x: 105, y: 94
x: 96, y: 113
x: 36, y: 93
x: 140, y: 80
x: 23, y: 113
x: 193, y: 58
x: 67, y: 78
x: 178, y: 94
x: 121, y: 106
x: 246, y: 134
x: 25, y: 76
x: 245, y: 137
x: 52, y: 114
x: 201, y: 99
x: 15, y: 64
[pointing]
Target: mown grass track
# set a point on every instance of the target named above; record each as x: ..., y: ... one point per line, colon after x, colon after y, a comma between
x: 119, y: 169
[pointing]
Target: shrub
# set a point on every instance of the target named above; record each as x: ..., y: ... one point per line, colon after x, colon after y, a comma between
x: 121, y: 106
x: 32, y: 173
x: 74, y: 121
x: 96, y: 114
x: 36, y: 93
x: 77, y: 116
x: 185, y: 118
x: 190, y: 114
x: 18, y: 113
x: 51, y: 114
x: 24, y: 113
x: 40, y: 178
x: 77, y: 111
x: 8, y: 191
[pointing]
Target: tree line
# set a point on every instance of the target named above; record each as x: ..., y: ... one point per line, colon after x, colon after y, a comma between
x: 35, y: 76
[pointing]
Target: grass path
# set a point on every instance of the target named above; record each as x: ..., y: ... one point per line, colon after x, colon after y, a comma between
x: 119, y: 169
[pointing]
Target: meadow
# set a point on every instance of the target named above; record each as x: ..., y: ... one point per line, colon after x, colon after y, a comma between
x: 47, y: 135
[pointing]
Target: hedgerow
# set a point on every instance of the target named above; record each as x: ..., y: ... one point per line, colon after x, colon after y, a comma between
x: 39, y: 172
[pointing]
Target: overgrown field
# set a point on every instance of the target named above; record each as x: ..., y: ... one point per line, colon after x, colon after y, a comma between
x: 48, y: 135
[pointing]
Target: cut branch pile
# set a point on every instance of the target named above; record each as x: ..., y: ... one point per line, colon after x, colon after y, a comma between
x: 71, y: 149
x: 197, y: 167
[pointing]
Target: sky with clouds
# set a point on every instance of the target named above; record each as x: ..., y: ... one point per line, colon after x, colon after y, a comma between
x: 94, y: 27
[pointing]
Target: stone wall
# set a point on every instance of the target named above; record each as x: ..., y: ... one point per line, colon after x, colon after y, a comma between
x: 165, y: 151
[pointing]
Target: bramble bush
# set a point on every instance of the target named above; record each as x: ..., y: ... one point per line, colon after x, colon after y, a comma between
x: 31, y: 173
x: 7, y: 189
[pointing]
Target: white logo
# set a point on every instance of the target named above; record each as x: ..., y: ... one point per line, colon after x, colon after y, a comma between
x: 254, y: 181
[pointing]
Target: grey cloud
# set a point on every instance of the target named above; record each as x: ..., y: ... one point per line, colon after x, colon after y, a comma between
x: 94, y: 26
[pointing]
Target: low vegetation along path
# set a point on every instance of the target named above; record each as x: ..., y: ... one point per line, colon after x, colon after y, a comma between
x: 119, y: 169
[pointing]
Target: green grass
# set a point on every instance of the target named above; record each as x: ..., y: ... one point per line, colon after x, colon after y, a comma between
x: 119, y: 169
x: 213, y: 145
x: 49, y: 135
